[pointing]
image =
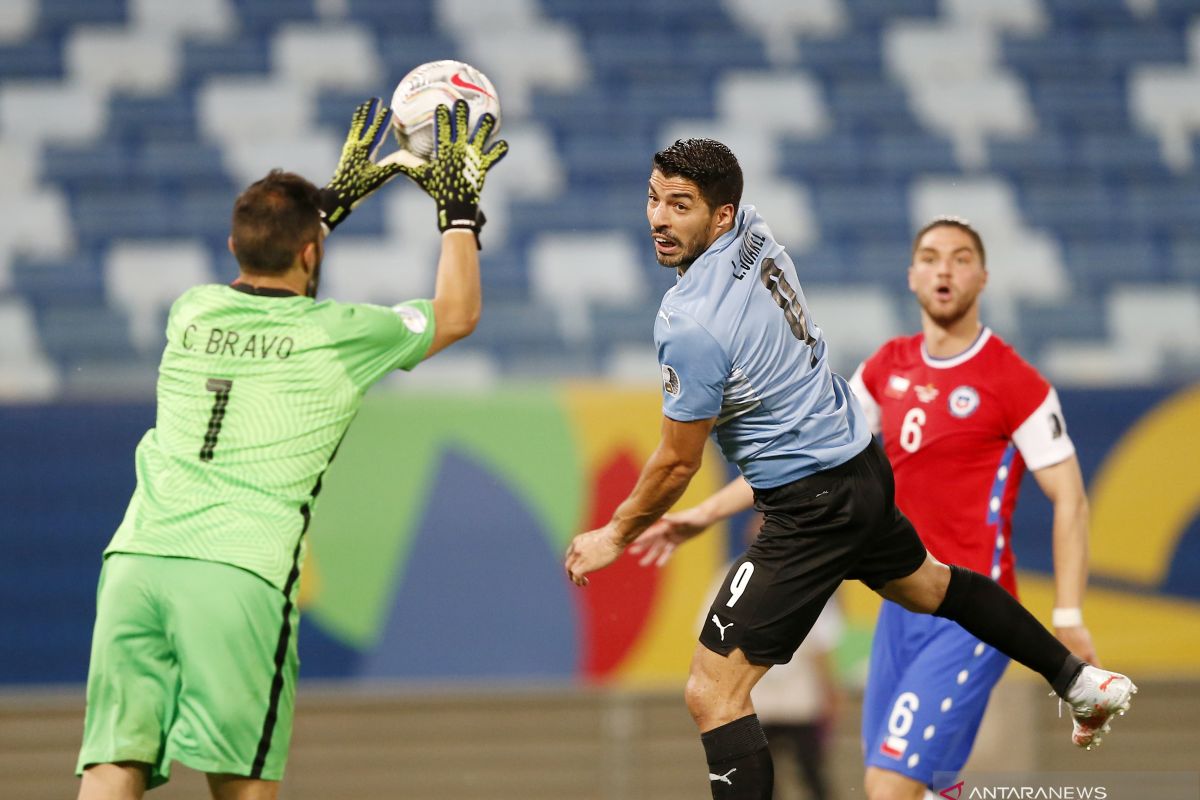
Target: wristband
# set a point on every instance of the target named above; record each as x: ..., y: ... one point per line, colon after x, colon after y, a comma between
x: 1067, y: 617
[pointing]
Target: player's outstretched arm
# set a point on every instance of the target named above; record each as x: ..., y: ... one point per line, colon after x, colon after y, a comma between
x: 357, y: 175
x: 1062, y: 483
x: 659, y: 541
x: 663, y: 480
x: 454, y: 177
x: 455, y: 172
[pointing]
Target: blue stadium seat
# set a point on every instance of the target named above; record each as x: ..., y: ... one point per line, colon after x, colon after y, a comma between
x: 1046, y: 155
x: 1080, y: 209
x: 76, y: 280
x: 38, y: 57
x: 59, y: 16
x: 621, y: 162
x: 247, y: 54
x: 1185, y: 259
x: 1167, y: 209
x: 1060, y: 56
x: 1126, y: 47
x: 1121, y: 154
x: 862, y: 212
x: 140, y: 118
x: 903, y: 154
x: 856, y: 55
x: 884, y: 262
x: 875, y: 13
x: 182, y: 165
x: 105, y: 163
x: 871, y: 104
x: 834, y: 159
x: 73, y: 334
x: 101, y: 216
x: 1082, y: 317
x: 1093, y: 261
x: 410, y: 19
x: 261, y: 16
x: 1075, y: 105
x: 1089, y: 14
x: 402, y: 50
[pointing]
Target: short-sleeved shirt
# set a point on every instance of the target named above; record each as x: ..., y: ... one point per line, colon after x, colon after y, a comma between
x: 736, y: 342
x: 960, y: 432
x: 255, y: 391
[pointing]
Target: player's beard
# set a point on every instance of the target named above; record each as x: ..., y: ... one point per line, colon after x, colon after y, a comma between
x: 949, y: 317
x: 687, y: 255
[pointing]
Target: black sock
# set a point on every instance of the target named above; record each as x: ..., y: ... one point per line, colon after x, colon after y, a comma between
x: 739, y: 764
x: 984, y: 609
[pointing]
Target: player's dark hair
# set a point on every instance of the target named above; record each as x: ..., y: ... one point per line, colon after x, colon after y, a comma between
x: 952, y: 222
x: 707, y: 163
x: 273, y: 219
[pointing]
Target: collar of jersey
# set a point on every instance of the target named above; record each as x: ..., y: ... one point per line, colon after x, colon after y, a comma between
x: 262, y: 291
x: 985, y: 333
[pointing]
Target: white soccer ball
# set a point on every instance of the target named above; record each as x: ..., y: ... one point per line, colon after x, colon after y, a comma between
x: 433, y: 84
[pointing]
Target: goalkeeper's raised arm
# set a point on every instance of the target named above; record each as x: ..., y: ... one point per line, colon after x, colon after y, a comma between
x: 454, y: 177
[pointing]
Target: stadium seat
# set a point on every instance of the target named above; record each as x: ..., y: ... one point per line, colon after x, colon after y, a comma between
x: 1166, y: 102
x: 32, y: 111
x: 778, y: 103
x: 101, y: 59
x: 343, y: 56
x: 779, y: 24
x: 1024, y: 16
x: 209, y: 18
x: 145, y: 279
x: 855, y: 319
x: 25, y: 374
x: 572, y: 272
x: 314, y: 155
x: 36, y: 224
x: 250, y: 109
x: 39, y: 57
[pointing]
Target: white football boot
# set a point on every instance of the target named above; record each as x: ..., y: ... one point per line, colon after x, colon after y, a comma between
x: 1095, y: 697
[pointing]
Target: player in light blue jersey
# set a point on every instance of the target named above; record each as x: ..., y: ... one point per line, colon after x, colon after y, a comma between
x: 743, y: 360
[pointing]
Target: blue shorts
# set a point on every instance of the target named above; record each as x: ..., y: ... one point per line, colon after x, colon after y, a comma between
x: 926, y: 692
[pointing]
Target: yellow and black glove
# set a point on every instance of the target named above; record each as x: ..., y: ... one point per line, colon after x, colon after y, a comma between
x: 357, y: 175
x: 456, y: 169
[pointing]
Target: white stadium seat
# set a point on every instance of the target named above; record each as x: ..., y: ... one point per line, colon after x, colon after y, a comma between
x: 235, y: 109
x: 344, y: 57
x: 516, y: 60
x: 776, y: 102
x: 1017, y: 16
x: 970, y: 110
x: 570, y: 272
x: 1166, y: 102
x: 37, y: 111
x: 36, y: 224
x: 370, y: 270
x: 779, y: 22
x: 931, y: 52
x: 313, y: 154
x: 146, y: 278
x: 103, y: 59
x: 17, y: 18
x: 193, y: 17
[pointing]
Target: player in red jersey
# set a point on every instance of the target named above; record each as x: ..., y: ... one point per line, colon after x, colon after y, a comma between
x: 962, y: 417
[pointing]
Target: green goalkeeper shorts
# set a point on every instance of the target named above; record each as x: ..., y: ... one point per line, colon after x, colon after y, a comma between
x: 192, y: 661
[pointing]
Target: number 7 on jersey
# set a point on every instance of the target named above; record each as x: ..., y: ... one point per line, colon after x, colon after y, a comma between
x: 221, y: 387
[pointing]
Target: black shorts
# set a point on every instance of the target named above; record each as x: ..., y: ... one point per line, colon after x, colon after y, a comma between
x: 838, y: 524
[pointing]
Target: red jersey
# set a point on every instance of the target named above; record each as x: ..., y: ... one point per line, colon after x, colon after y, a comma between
x: 959, y: 432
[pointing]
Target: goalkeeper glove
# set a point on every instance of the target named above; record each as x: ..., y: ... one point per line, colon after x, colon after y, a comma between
x: 455, y: 172
x: 357, y: 175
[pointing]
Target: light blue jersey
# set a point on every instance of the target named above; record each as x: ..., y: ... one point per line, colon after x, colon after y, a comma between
x: 736, y: 342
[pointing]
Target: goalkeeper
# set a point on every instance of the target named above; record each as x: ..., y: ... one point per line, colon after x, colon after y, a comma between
x: 194, y: 648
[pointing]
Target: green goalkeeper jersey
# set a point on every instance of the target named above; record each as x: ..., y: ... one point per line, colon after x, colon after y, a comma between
x: 255, y: 391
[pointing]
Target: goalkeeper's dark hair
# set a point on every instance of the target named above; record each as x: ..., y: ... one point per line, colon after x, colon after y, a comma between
x: 952, y: 222
x: 273, y: 219
x: 707, y: 163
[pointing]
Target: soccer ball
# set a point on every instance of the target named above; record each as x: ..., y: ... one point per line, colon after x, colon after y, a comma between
x: 439, y: 83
